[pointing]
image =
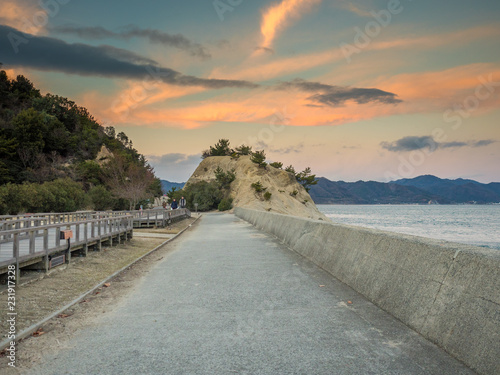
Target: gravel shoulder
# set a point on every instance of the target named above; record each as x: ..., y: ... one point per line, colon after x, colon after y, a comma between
x: 40, y: 295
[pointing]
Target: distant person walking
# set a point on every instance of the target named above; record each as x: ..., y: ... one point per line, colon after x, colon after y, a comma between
x: 173, y: 205
x: 182, y: 202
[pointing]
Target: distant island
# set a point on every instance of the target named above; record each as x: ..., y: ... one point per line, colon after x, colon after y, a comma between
x: 166, y: 186
x: 425, y: 189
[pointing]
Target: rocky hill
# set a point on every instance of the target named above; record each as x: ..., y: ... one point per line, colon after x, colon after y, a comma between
x: 287, y: 195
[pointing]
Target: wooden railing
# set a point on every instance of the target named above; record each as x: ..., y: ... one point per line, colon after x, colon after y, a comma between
x: 29, y: 242
x: 27, y: 237
x: 157, y: 217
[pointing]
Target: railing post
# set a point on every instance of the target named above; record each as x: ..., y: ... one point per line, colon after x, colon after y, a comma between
x: 77, y: 230
x: 32, y: 242
x: 119, y: 229
x: 68, y: 251
x: 58, y: 236
x: 85, y: 239
x: 46, y: 248
x: 15, y: 249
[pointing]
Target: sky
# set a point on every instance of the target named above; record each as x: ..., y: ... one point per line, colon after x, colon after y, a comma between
x: 357, y: 90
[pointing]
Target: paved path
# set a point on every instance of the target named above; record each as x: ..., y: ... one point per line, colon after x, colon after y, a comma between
x: 232, y: 300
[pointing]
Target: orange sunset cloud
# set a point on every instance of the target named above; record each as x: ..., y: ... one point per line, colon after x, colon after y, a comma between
x: 277, y: 17
x: 24, y: 15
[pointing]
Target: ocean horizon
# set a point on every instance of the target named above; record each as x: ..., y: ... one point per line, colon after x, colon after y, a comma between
x: 469, y: 224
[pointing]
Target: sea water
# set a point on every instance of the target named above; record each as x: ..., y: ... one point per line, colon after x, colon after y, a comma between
x: 470, y: 224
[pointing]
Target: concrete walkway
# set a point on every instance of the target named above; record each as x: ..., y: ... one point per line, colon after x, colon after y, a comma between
x: 232, y: 300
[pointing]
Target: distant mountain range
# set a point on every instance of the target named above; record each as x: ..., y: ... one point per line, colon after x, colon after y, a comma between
x: 167, y: 185
x: 420, y: 190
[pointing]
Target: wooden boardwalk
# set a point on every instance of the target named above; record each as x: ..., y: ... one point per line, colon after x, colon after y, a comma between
x: 35, y: 239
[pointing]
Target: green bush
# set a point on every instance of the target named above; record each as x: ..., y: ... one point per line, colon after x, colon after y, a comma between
x: 243, y: 150
x: 258, y: 187
x: 276, y: 164
x: 61, y: 195
x: 68, y: 195
x: 207, y: 194
x: 225, y: 204
x: 224, y: 178
x: 259, y: 157
x: 10, y: 199
x: 267, y: 195
x: 294, y: 193
x: 101, y: 199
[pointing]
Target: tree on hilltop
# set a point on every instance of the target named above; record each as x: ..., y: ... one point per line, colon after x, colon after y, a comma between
x: 221, y: 148
x: 306, y: 178
x: 243, y: 150
x: 259, y: 157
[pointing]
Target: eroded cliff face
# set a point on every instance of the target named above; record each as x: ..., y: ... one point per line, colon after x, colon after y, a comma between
x: 288, y: 196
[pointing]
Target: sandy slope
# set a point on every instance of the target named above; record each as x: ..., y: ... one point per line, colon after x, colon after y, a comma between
x: 278, y: 182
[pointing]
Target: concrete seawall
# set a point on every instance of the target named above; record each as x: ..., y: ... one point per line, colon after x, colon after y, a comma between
x: 448, y: 292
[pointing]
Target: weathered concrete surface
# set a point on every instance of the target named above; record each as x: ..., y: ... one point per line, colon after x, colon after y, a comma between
x: 450, y: 293
x: 233, y: 300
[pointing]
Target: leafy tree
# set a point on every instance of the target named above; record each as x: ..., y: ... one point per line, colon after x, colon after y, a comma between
x: 110, y: 131
x: 90, y: 172
x: 224, y: 178
x: 23, y: 89
x: 206, y: 194
x: 276, y: 164
x: 101, y: 199
x: 10, y: 199
x: 123, y: 138
x: 267, y: 196
x: 221, y: 148
x: 174, y: 193
x: 258, y: 187
x: 8, y: 148
x: 205, y: 154
x: 5, y: 89
x: 46, y: 138
x: 290, y: 169
x: 259, y: 157
x: 29, y: 129
x: 306, y: 178
x: 128, y: 181
x: 243, y: 150
x: 225, y: 204
x: 68, y: 196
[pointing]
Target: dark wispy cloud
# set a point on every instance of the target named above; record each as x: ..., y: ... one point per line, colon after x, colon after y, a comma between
x: 128, y: 32
x: 335, y: 96
x: 484, y: 142
x: 297, y: 148
x: 265, y: 49
x: 50, y: 54
x: 412, y: 143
